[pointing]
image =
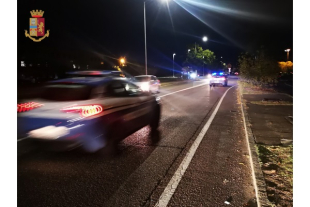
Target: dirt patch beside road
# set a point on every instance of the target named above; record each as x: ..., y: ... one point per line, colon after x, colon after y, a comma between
x: 277, y: 166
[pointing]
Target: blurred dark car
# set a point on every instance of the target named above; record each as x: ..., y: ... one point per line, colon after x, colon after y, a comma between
x: 87, y: 112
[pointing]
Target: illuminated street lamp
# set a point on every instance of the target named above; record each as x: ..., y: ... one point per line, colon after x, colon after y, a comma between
x: 287, y: 53
x: 145, y: 33
x: 122, y: 61
x: 188, y: 50
x: 173, y: 63
x: 204, y: 39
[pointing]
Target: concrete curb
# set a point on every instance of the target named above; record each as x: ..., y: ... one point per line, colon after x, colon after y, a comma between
x: 258, y: 177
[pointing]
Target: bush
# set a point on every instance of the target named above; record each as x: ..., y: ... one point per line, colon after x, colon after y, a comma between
x: 259, y: 69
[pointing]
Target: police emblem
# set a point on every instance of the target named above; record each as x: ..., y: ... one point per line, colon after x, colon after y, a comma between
x: 37, y: 26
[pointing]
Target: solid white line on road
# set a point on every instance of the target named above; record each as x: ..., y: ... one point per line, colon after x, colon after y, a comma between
x: 182, y: 90
x: 250, y: 154
x: 175, y: 180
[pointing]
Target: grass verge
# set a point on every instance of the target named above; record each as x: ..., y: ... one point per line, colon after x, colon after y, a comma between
x: 249, y: 88
x: 276, y: 161
x: 277, y: 166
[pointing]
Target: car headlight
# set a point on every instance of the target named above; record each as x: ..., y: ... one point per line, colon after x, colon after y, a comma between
x: 193, y: 75
x: 145, y: 86
x: 209, y: 76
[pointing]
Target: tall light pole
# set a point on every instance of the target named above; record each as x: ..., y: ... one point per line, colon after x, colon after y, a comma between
x: 145, y: 49
x: 203, y: 66
x: 173, y: 63
x: 287, y: 53
x: 145, y: 41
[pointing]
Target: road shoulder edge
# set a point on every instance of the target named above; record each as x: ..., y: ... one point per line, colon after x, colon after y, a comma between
x: 257, y: 174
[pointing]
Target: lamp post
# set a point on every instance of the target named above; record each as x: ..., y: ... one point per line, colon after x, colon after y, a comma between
x: 203, y: 66
x: 173, y: 63
x: 287, y: 54
x: 145, y: 49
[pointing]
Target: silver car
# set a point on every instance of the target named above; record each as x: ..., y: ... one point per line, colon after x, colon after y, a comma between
x: 218, y: 79
x: 148, y: 83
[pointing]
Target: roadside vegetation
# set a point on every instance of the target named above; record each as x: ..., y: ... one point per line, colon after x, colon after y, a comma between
x: 277, y: 166
x: 259, y: 69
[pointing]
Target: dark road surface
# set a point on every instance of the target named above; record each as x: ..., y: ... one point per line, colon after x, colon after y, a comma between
x: 219, y: 171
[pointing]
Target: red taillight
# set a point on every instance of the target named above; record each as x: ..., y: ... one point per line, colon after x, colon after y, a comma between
x: 85, y: 111
x: 27, y: 106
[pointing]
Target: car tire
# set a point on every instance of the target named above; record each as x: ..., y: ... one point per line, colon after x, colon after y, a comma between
x: 155, y: 118
x: 155, y: 134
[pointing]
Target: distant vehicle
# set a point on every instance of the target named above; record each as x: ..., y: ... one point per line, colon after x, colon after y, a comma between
x: 149, y: 83
x: 236, y: 73
x: 87, y: 112
x: 218, y: 79
x: 193, y: 75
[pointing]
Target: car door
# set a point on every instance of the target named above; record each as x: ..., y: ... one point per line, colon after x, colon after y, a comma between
x: 130, y: 104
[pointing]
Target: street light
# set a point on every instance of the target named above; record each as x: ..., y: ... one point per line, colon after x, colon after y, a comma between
x: 204, y: 39
x: 188, y: 50
x: 287, y: 53
x: 145, y: 33
x: 122, y: 61
x: 173, y: 63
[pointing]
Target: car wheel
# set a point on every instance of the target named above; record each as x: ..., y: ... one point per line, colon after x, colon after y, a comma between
x: 155, y: 134
x: 155, y: 118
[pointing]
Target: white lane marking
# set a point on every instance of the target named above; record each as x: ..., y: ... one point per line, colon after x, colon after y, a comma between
x: 182, y: 90
x: 250, y: 153
x: 22, y: 139
x: 174, y: 182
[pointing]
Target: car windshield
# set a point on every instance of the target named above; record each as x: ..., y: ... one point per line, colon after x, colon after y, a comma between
x: 66, y: 92
x: 142, y: 79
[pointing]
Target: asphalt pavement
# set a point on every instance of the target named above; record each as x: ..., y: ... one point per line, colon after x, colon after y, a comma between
x: 218, y: 174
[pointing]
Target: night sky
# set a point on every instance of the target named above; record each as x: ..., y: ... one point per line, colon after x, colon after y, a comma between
x: 114, y: 28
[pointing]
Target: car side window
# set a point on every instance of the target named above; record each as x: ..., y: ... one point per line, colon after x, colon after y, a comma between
x: 116, y: 88
x: 132, y: 89
x: 97, y: 91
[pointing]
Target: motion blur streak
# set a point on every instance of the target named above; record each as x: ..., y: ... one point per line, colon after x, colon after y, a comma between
x: 170, y: 16
x: 199, y: 13
x: 211, y: 5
